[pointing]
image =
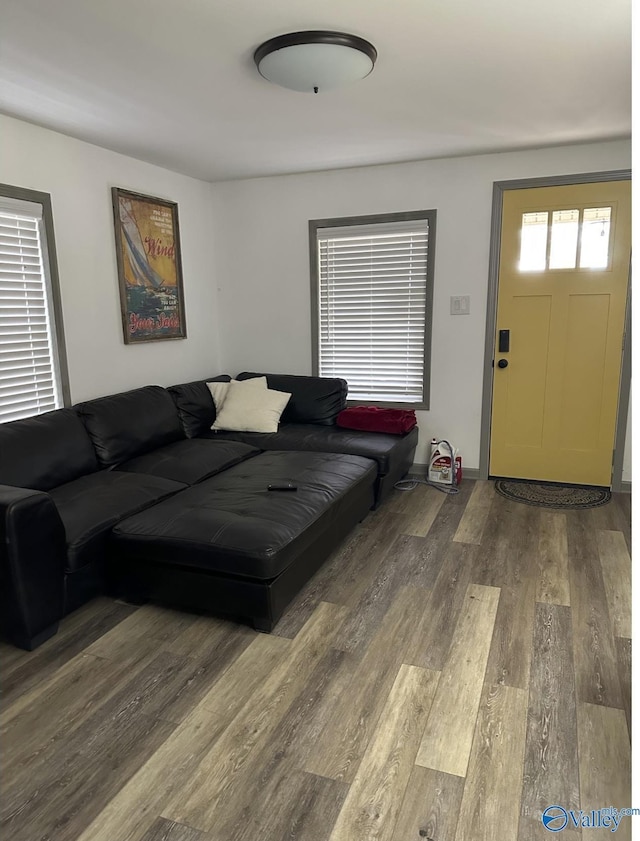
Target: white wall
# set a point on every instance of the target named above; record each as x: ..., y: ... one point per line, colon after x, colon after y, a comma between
x: 262, y: 263
x: 79, y: 177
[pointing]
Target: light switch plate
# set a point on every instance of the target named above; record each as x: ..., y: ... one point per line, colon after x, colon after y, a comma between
x: 460, y: 304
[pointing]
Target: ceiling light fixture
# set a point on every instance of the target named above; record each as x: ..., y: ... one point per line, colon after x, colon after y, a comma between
x: 315, y: 61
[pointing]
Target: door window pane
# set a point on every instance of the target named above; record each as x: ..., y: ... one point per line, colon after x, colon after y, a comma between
x: 564, y: 239
x: 596, y: 227
x: 533, y: 242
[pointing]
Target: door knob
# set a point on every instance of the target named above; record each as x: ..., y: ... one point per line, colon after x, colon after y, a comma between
x: 503, y: 363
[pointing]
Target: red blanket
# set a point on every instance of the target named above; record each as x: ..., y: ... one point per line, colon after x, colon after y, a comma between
x: 375, y: 419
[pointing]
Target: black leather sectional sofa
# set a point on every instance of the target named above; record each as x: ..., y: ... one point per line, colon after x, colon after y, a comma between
x: 133, y: 494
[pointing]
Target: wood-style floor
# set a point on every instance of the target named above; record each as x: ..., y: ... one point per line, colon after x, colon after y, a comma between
x: 461, y: 663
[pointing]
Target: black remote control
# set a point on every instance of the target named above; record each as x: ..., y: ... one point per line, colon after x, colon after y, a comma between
x: 286, y: 486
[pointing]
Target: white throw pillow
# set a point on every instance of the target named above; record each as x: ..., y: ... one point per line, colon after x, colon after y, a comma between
x: 219, y: 390
x: 250, y: 409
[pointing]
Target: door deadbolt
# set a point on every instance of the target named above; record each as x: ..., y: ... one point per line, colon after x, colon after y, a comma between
x: 503, y: 363
x: 503, y: 341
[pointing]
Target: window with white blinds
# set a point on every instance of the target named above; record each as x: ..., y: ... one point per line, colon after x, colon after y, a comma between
x: 373, y: 299
x: 30, y: 376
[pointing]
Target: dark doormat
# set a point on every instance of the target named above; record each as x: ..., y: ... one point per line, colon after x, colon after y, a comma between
x: 550, y: 495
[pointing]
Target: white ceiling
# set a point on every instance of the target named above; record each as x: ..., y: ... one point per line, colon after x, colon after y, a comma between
x: 173, y: 81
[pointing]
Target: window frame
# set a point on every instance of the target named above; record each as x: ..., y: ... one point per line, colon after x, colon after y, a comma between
x: 51, y: 280
x: 316, y: 226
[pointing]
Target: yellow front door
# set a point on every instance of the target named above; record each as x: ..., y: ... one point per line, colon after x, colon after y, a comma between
x: 562, y: 291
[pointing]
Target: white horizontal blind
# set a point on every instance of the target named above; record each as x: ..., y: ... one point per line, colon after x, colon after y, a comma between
x: 373, y: 292
x: 28, y: 379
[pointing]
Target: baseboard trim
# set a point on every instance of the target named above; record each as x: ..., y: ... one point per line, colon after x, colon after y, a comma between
x: 419, y: 471
x: 471, y: 472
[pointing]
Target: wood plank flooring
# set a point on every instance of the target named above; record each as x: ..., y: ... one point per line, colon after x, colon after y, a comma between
x: 457, y: 665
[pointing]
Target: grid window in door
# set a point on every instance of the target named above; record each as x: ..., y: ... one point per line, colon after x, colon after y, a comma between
x: 372, y: 293
x: 582, y: 231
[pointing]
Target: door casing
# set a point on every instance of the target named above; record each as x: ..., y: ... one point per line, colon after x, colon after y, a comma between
x: 499, y: 187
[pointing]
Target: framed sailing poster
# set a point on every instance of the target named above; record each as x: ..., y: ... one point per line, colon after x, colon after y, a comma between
x: 149, y: 267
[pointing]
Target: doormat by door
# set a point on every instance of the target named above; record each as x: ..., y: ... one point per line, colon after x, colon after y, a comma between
x: 549, y: 495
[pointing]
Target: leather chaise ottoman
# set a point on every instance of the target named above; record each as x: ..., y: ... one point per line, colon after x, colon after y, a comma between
x: 393, y: 453
x: 229, y: 545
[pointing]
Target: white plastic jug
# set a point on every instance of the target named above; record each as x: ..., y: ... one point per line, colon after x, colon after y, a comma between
x: 440, y: 469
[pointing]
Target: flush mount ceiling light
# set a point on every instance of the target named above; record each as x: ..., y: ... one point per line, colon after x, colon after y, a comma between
x: 315, y: 61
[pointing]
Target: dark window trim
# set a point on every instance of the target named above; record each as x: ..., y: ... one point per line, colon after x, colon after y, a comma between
x: 316, y: 225
x: 44, y: 199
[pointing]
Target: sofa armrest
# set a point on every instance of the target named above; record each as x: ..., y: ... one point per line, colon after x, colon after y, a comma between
x: 32, y: 563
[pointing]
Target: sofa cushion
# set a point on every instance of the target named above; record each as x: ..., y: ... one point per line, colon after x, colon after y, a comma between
x: 313, y: 399
x: 125, y: 425
x: 195, y: 405
x: 387, y: 450
x: 190, y: 461
x: 233, y: 525
x: 219, y: 390
x: 90, y: 506
x: 45, y: 451
x: 247, y: 408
